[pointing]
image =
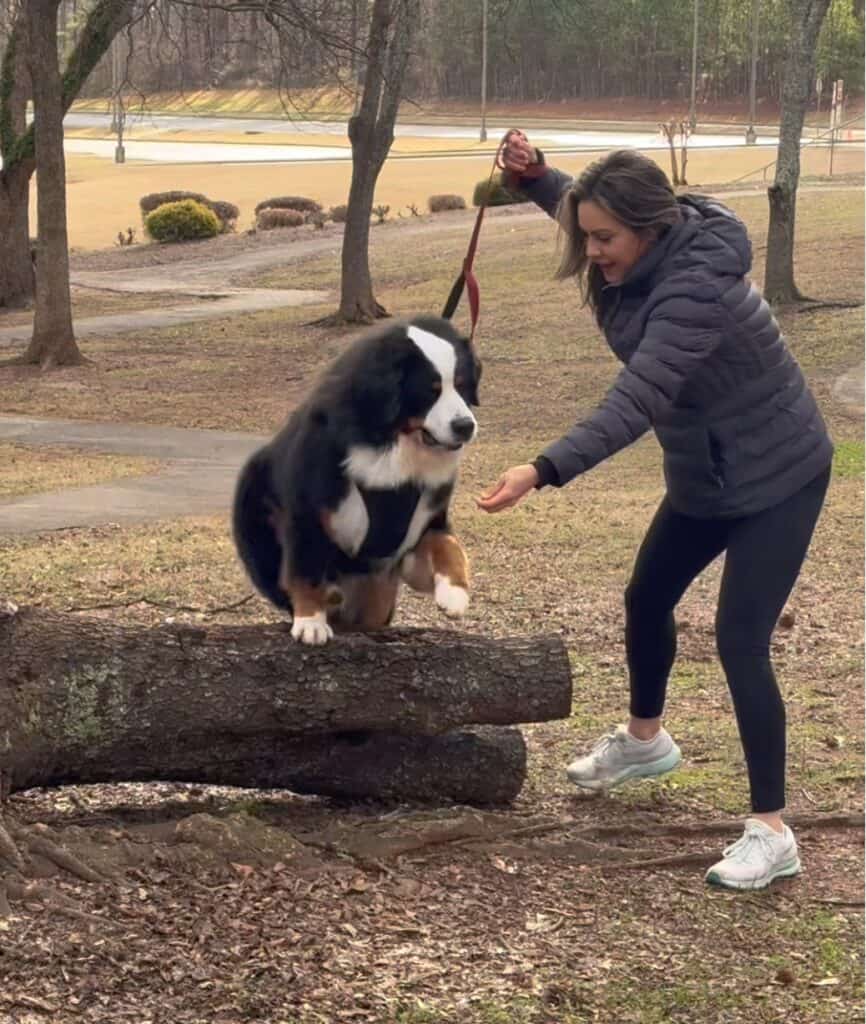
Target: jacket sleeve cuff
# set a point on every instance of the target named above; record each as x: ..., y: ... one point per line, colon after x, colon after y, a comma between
x: 547, y: 475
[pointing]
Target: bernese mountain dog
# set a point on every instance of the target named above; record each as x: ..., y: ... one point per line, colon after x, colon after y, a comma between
x: 352, y: 495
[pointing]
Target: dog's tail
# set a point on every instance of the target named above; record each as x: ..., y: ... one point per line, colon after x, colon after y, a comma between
x: 255, y: 522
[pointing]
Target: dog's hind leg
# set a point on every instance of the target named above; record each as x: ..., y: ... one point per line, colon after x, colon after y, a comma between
x: 370, y: 602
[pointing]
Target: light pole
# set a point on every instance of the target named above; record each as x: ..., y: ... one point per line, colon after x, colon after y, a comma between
x: 751, y: 134
x: 483, y: 135
x: 693, y: 119
x: 118, y: 114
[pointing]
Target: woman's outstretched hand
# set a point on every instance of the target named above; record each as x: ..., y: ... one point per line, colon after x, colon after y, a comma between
x: 509, y: 489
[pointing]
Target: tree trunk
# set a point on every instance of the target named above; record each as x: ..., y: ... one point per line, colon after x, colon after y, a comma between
x: 371, y: 132
x: 85, y: 700
x: 16, y: 265
x: 53, y: 342
x: 805, y: 18
x: 17, y: 277
x: 17, y: 147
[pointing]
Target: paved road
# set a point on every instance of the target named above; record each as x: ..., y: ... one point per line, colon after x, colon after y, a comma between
x: 555, y: 140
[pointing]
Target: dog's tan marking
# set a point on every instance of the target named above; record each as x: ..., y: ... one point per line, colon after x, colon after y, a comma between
x: 448, y: 558
x: 439, y: 565
x: 377, y: 598
x: 306, y: 600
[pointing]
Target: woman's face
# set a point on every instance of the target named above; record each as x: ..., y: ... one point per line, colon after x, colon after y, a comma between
x: 610, y: 244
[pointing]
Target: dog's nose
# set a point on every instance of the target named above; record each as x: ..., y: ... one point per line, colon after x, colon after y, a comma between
x: 463, y: 427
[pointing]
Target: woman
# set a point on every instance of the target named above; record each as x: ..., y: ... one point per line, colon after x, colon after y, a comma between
x: 746, y: 461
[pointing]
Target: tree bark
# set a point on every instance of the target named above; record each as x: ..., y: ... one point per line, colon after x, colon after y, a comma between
x: 805, y: 18
x: 53, y: 342
x: 17, y: 140
x: 371, y: 133
x: 17, y: 279
x: 85, y: 700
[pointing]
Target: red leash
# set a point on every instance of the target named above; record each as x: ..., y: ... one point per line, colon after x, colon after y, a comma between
x: 466, y: 278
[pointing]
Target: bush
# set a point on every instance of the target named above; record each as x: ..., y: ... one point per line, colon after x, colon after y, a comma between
x: 298, y: 203
x: 181, y: 222
x: 339, y: 214
x: 152, y: 200
x: 436, y: 204
x: 227, y: 213
x: 497, y: 194
x: 268, y: 219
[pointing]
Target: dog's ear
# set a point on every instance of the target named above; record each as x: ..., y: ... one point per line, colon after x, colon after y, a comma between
x: 377, y: 390
x: 477, y: 366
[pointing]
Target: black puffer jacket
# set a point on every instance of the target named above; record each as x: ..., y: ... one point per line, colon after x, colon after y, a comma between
x: 705, y: 366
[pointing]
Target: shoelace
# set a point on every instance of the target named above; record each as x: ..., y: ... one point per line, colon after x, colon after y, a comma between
x: 604, y: 744
x: 740, y: 850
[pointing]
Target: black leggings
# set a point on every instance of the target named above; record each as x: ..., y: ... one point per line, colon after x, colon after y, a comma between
x: 764, y: 554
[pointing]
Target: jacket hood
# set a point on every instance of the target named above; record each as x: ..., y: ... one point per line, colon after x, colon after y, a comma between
x: 722, y: 239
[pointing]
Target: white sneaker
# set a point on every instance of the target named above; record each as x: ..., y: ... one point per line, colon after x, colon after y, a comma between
x: 756, y: 858
x: 618, y: 757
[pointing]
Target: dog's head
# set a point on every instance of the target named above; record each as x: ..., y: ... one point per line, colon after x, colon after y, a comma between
x: 418, y: 379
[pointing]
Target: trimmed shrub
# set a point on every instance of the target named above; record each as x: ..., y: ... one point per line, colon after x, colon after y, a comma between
x: 436, y: 204
x: 298, y: 203
x: 497, y: 194
x: 268, y: 219
x: 182, y: 222
x: 152, y: 200
x: 339, y: 214
x: 227, y: 213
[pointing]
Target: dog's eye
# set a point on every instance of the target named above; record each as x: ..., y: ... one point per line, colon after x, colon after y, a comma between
x: 436, y: 387
x: 459, y: 382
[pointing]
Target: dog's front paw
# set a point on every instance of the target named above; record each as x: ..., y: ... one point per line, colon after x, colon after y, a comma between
x: 312, y: 629
x: 451, y: 599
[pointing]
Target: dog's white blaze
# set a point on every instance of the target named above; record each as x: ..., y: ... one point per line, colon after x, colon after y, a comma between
x: 350, y: 522
x: 450, y: 405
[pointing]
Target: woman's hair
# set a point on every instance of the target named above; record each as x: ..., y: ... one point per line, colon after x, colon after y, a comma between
x: 632, y: 188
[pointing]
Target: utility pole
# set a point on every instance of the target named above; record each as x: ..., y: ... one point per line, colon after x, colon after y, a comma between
x: 117, y: 113
x: 483, y: 135
x: 693, y: 118
x: 751, y: 134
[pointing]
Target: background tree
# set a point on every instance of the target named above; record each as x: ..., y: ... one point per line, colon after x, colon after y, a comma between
x: 16, y: 266
x: 805, y: 20
x: 371, y: 133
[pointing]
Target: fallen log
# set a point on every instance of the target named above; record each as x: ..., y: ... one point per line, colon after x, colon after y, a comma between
x: 86, y: 700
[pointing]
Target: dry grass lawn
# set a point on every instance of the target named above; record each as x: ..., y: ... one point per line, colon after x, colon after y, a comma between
x: 102, y: 196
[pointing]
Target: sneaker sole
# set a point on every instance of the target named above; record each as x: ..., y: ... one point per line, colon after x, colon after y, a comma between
x: 785, y: 871
x: 636, y: 771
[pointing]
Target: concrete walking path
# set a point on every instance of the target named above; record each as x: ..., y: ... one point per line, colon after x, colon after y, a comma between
x: 199, y: 478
